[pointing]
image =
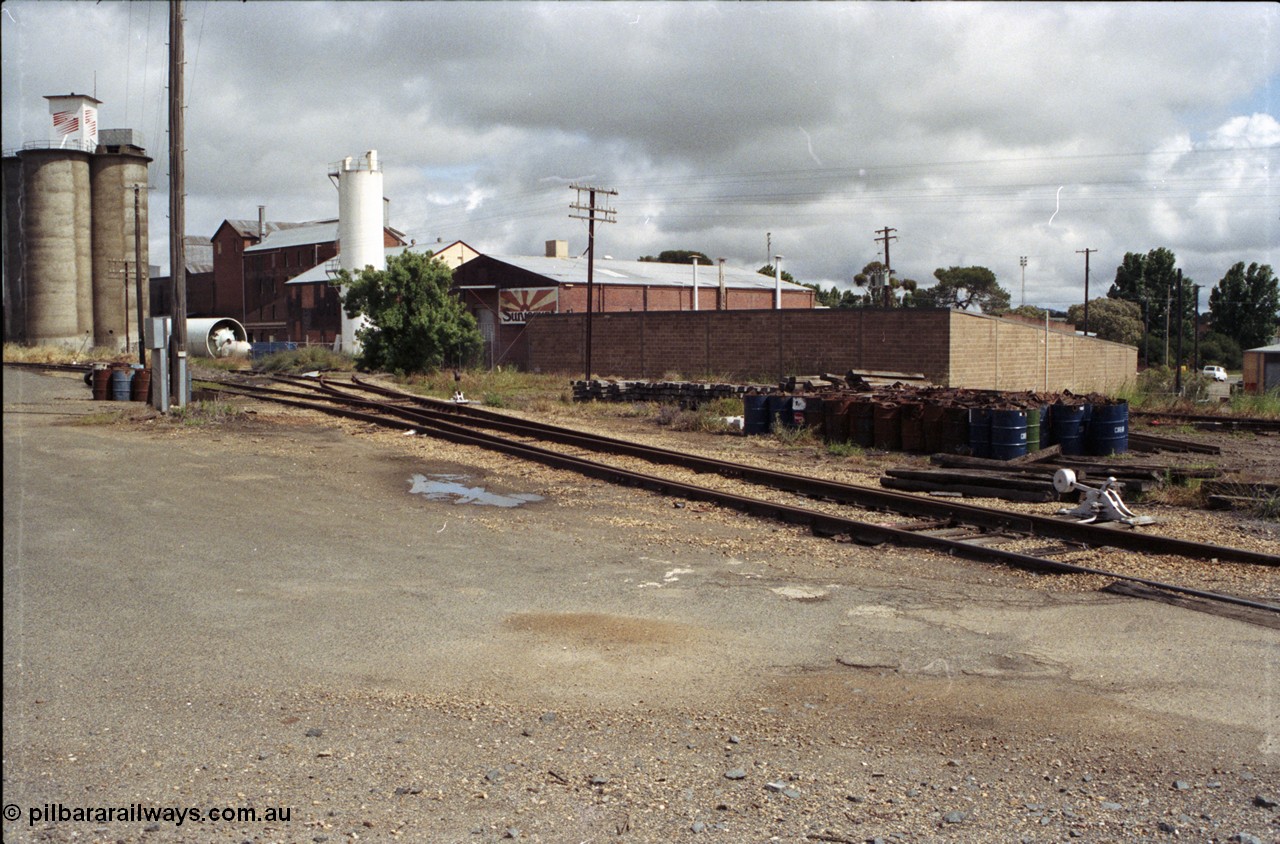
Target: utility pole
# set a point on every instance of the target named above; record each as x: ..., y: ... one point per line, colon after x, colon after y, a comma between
x: 1195, y: 334
x: 1086, y: 287
x: 177, y: 208
x: 1146, y: 332
x: 768, y: 247
x: 1177, y: 377
x: 593, y: 214
x: 888, y: 271
x: 137, y: 271
x: 886, y: 238
x: 1023, y: 262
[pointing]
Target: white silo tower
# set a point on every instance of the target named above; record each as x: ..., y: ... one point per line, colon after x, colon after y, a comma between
x: 360, y: 232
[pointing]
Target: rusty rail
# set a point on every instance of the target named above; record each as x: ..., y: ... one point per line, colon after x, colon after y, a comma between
x: 868, y: 497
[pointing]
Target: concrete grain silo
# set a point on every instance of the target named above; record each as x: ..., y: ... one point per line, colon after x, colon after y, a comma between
x: 115, y: 170
x: 15, y: 292
x: 69, y: 224
x: 57, y: 232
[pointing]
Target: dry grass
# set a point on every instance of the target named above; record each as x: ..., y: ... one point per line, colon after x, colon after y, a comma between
x: 15, y: 353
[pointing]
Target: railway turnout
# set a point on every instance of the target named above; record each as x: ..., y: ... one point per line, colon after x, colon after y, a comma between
x: 945, y: 526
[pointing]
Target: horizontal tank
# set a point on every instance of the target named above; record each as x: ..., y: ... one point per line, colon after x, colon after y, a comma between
x: 217, y: 337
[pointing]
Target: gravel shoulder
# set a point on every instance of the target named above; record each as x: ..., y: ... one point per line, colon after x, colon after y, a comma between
x: 260, y: 614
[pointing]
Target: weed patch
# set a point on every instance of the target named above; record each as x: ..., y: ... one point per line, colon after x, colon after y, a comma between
x: 845, y: 449
x: 102, y: 417
x: 305, y: 359
x: 206, y: 413
x: 1266, y: 405
x: 15, y: 353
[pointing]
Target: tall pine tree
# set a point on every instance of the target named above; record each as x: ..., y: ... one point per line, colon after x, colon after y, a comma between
x: 1245, y: 305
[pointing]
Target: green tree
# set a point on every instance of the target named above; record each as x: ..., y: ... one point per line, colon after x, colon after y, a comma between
x: 768, y: 270
x: 1245, y: 305
x: 1111, y: 319
x: 678, y: 256
x: 831, y: 298
x: 1222, y: 350
x: 873, y: 276
x: 416, y: 324
x: 963, y: 288
x: 1151, y: 282
x: 1029, y: 312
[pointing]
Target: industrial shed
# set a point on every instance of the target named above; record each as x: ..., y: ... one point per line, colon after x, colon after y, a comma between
x: 1262, y: 369
x: 506, y: 293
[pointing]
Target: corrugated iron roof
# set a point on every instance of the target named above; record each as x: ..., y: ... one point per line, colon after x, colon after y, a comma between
x: 320, y: 272
x: 300, y: 234
x: 607, y: 271
x: 650, y: 273
x: 199, y: 250
x: 1267, y: 349
x: 249, y: 228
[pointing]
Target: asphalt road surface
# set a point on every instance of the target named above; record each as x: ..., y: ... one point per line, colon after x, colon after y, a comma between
x: 262, y: 617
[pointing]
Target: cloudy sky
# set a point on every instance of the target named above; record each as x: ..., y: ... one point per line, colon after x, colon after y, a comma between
x: 978, y: 132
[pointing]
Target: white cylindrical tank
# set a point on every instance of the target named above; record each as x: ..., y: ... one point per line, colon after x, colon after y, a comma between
x: 360, y: 234
x: 217, y: 337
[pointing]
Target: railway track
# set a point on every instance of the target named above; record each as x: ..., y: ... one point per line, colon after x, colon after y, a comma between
x: 948, y: 527
x: 1210, y: 421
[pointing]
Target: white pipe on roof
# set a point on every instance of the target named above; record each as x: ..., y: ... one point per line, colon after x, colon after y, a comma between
x: 777, y: 282
x: 695, y: 282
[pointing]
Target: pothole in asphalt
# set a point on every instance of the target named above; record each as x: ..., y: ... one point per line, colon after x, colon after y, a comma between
x: 454, y: 488
x: 801, y: 593
x: 601, y: 628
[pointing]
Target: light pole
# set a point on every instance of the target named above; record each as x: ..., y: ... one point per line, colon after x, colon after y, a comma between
x: 1023, y: 262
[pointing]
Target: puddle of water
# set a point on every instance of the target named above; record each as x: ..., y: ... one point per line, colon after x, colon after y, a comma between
x: 451, y: 487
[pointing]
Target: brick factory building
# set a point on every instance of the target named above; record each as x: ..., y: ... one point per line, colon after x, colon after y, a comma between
x: 313, y: 306
x: 508, y: 293
x: 252, y: 262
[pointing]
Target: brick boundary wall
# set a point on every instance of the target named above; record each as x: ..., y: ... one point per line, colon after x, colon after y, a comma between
x: 951, y: 348
x: 998, y: 354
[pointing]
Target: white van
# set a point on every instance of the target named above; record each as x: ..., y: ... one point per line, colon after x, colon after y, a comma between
x: 1217, y: 373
